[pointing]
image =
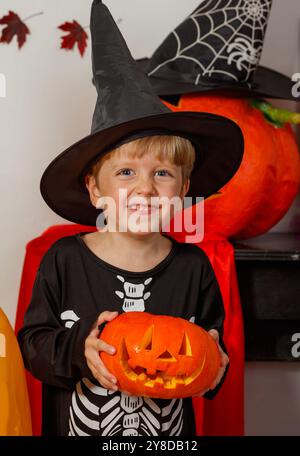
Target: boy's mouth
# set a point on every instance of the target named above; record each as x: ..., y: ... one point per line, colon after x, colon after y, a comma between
x: 143, y: 209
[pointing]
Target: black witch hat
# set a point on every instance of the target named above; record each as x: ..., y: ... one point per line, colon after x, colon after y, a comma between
x: 128, y: 108
x: 218, y: 47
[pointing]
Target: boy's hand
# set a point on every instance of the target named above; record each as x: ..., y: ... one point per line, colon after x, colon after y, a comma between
x: 93, y: 346
x: 224, y: 361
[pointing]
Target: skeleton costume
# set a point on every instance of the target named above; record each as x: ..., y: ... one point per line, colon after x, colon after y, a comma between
x: 73, y: 285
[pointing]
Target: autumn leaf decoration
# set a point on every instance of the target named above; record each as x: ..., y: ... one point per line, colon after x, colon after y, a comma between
x: 76, y: 34
x: 15, y: 27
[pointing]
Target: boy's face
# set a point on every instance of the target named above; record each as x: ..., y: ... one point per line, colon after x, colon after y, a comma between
x: 148, y: 178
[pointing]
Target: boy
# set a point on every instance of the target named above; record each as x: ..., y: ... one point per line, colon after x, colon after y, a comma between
x: 138, y: 146
x: 79, y: 278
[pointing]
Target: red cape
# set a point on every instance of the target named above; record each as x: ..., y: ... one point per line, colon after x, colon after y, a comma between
x: 222, y: 416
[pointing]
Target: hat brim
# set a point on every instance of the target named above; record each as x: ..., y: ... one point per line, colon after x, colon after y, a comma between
x: 266, y: 83
x: 219, y: 152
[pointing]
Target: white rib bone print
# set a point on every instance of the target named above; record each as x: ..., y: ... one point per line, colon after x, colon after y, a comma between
x: 122, y: 414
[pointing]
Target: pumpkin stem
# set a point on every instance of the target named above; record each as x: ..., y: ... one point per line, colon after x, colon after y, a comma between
x: 276, y: 116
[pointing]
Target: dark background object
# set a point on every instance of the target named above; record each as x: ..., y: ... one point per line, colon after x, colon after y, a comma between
x: 268, y: 269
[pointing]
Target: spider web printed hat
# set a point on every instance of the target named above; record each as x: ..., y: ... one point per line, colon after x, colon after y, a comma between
x: 128, y: 108
x: 218, y: 47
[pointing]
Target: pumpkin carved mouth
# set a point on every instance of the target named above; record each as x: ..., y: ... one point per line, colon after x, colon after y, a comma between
x: 151, y: 377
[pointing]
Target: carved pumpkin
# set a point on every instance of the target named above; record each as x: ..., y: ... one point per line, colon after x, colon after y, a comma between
x: 160, y: 356
x: 265, y: 185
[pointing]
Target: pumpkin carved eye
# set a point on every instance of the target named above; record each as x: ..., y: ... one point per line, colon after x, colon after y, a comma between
x: 185, y: 348
x: 146, y: 343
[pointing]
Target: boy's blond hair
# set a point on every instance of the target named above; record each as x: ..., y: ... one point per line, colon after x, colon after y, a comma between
x: 176, y: 149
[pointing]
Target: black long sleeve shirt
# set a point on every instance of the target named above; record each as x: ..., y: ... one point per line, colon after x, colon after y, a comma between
x: 72, y: 287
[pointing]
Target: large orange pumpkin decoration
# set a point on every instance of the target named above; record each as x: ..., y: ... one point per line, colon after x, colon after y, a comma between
x: 160, y: 356
x: 265, y: 185
x: 15, y: 417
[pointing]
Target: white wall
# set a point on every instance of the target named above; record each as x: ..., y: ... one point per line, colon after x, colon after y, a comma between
x: 49, y: 105
x: 282, y: 52
x: 272, y: 399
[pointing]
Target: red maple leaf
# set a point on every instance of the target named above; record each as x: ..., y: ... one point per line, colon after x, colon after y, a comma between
x: 14, y: 27
x: 76, y: 35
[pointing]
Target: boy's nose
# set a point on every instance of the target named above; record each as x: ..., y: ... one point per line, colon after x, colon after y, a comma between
x: 145, y: 186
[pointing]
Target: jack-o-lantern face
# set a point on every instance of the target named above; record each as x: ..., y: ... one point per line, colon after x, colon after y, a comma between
x: 160, y: 356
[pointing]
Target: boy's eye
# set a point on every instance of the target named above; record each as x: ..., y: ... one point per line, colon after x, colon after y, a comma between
x: 125, y: 172
x: 163, y: 172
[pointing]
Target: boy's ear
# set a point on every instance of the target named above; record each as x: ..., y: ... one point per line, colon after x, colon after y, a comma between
x: 93, y: 189
x: 185, y: 188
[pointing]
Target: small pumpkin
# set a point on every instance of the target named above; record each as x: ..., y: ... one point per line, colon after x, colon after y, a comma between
x: 160, y: 356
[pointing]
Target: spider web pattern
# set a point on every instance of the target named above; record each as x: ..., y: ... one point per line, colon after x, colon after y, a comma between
x: 221, y: 40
